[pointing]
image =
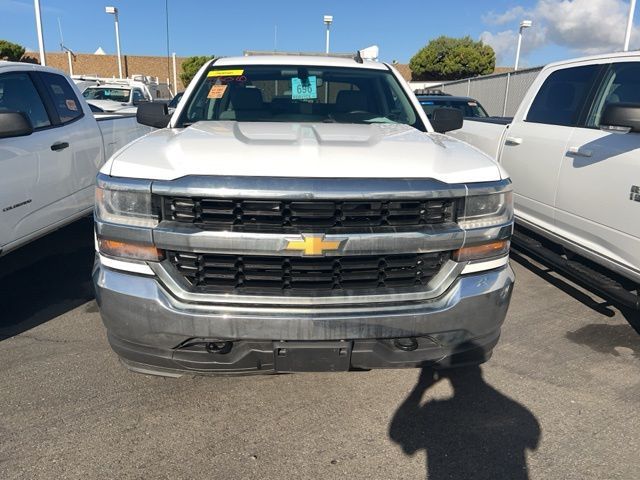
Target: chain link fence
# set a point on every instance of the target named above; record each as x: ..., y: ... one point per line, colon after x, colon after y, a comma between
x: 500, y: 94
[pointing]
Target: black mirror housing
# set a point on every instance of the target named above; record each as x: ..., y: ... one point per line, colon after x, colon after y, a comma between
x: 621, y: 115
x: 446, y: 119
x: 153, y: 114
x: 14, y: 124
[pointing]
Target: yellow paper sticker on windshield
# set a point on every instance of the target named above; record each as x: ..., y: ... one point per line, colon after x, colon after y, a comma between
x: 71, y: 105
x: 225, y: 73
x: 217, y: 91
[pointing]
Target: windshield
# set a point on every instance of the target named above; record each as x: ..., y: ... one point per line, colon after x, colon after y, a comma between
x: 105, y: 93
x: 470, y: 108
x: 266, y: 93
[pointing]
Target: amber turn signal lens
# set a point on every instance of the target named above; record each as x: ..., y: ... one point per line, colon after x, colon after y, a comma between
x: 134, y: 251
x: 480, y: 252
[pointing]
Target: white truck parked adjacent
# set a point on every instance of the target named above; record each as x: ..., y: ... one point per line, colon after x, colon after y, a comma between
x: 301, y: 213
x: 124, y: 96
x: 572, y: 151
x: 51, y: 147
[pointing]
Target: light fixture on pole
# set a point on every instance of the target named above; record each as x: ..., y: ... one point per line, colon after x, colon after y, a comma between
x: 523, y: 24
x: 36, y: 6
x: 328, y: 19
x: 114, y: 11
x: 627, y: 35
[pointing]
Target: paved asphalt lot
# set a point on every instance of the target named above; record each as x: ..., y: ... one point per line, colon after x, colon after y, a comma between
x: 559, y: 399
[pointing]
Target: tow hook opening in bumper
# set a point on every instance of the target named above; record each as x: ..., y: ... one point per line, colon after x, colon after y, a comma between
x: 406, y: 344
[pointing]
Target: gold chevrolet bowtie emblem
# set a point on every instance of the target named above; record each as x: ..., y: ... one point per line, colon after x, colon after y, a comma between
x: 313, y: 244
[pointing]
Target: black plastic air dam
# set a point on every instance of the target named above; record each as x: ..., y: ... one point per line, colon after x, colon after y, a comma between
x: 250, y: 357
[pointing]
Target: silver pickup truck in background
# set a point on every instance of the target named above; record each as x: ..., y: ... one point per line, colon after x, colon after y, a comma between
x: 51, y: 147
x: 572, y: 153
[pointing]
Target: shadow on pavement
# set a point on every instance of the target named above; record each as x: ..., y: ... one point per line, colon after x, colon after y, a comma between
x: 46, y: 278
x: 605, y: 338
x: 479, y: 433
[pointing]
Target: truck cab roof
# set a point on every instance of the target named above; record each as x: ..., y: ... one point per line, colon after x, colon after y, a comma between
x: 302, y: 60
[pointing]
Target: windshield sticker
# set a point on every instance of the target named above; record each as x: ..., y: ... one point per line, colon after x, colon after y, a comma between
x: 304, y: 89
x: 217, y: 91
x: 225, y: 73
x: 473, y: 104
x: 71, y: 105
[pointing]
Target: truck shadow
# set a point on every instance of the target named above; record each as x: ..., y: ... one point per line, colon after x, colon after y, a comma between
x: 609, y: 339
x: 46, y: 278
x: 479, y: 433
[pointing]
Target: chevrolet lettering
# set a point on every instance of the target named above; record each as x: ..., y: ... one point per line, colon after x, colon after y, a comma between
x: 265, y: 230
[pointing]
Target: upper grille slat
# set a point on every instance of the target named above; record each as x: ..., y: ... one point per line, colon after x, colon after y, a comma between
x: 296, y: 216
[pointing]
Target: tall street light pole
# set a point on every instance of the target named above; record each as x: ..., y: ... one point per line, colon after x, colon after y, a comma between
x: 36, y: 6
x: 328, y: 19
x: 627, y: 35
x: 114, y: 11
x: 524, y: 24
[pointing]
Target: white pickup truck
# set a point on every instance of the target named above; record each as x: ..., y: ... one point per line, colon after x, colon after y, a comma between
x: 572, y: 151
x: 301, y: 213
x: 51, y: 147
x: 124, y: 96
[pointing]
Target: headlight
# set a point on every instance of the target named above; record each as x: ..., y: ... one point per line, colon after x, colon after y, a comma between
x: 487, y: 210
x: 125, y: 207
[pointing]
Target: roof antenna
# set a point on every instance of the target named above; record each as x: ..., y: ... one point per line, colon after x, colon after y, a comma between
x: 358, y: 57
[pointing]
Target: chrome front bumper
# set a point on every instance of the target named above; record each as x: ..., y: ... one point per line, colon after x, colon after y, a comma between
x: 148, y: 326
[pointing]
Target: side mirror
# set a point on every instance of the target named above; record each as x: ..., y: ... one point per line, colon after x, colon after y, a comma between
x: 153, y: 114
x: 14, y: 124
x: 621, y: 117
x: 444, y: 120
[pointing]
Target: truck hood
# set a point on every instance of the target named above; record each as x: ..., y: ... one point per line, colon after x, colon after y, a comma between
x: 108, y: 105
x: 313, y: 150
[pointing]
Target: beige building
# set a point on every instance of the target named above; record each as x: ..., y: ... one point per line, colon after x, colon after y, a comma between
x: 107, y: 65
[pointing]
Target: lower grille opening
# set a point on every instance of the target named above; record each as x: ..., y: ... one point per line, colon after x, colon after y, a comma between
x: 282, y: 275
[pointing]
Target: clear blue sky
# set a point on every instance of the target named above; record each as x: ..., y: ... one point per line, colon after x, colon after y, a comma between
x: 400, y: 28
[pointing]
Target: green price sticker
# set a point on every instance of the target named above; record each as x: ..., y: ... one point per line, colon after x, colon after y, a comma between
x: 304, y: 89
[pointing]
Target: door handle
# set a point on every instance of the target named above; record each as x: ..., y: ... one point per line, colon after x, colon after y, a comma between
x: 579, y: 152
x: 59, y: 146
x: 513, y: 141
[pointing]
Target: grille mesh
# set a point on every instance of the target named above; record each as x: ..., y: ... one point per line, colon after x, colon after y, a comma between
x: 306, y: 216
x: 277, y: 274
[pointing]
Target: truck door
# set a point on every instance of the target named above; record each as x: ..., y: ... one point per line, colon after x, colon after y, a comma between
x: 80, y: 130
x: 598, y: 202
x: 537, y: 140
x: 20, y: 156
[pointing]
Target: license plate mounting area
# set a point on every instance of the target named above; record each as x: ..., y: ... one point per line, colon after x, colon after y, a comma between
x: 312, y: 356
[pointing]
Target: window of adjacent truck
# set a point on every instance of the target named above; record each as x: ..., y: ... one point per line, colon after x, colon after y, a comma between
x: 620, y: 84
x: 19, y: 94
x: 562, y: 96
x: 64, y: 99
x: 469, y: 108
x: 107, y: 93
x: 265, y: 93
